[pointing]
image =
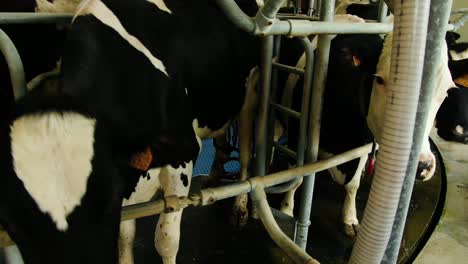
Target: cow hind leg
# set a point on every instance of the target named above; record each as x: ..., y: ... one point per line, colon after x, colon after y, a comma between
x: 174, y: 182
x: 145, y: 189
x: 126, y: 238
x: 222, y: 155
x: 351, y: 223
x: 287, y: 204
x: 240, y: 213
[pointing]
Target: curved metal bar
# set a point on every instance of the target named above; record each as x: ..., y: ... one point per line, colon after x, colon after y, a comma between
x: 283, y: 241
x: 15, y: 65
x: 236, y: 15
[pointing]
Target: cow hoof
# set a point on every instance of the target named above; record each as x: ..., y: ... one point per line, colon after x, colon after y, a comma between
x: 351, y: 230
x: 240, y: 216
x: 287, y: 211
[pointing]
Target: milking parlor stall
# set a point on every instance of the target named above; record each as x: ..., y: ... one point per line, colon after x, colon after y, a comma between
x: 330, y: 151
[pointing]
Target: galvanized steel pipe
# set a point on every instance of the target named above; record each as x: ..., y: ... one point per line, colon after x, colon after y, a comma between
x: 265, y: 24
x: 319, y: 81
x: 305, y: 28
x: 261, y: 140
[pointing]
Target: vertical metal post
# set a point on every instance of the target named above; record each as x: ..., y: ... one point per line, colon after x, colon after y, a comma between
x: 383, y: 10
x: 320, y: 74
x: 298, y: 7
x: 310, y: 8
x: 318, y: 9
x: 438, y: 17
x: 301, y: 145
x: 261, y: 141
x: 274, y: 84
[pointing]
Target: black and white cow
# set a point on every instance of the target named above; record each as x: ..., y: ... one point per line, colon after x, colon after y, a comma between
x: 452, y: 117
x: 353, y: 103
x: 143, y: 77
x: 352, y: 63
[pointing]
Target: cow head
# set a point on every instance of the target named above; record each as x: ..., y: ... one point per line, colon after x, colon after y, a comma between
x: 375, y: 118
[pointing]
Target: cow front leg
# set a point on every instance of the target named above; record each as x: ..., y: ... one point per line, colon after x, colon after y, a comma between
x: 174, y: 182
x: 351, y: 223
x: 240, y: 214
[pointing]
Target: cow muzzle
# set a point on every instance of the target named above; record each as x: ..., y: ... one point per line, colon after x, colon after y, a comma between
x: 426, y: 167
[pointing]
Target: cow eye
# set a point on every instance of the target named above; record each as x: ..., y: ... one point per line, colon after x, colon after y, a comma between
x: 379, y: 79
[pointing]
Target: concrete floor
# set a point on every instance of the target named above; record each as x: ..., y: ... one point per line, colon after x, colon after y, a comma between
x: 449, y: 242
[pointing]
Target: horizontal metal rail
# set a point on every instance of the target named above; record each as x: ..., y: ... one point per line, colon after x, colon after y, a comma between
x: 288, y: 68
x: 285, y: 110
x: 305, y: 28
x: 211, y: 195
x: 35, y: 18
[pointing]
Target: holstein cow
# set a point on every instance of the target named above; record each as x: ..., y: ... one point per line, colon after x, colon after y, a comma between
x: 143, y: 82
x: 353, y: 59
x: 350, y: 81
x: 452, y: 117
x: 443, y: 82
